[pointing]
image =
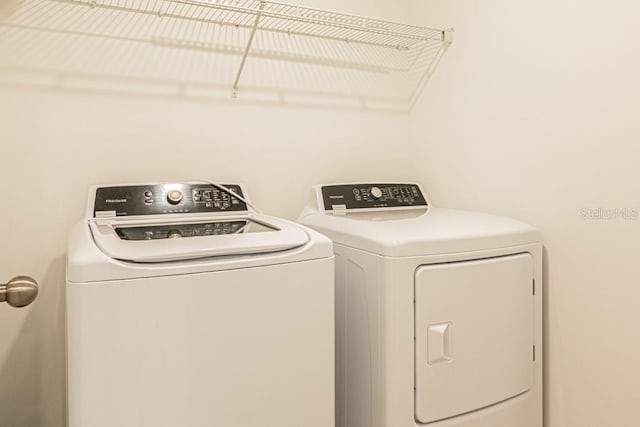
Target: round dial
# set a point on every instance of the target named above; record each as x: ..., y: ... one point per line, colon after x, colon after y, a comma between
x: 174, y: 197
x: 174, y: 234
x: 375, y: 193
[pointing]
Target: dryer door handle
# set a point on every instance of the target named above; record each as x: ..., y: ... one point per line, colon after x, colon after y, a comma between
x: 439, y: 343
x: 19, y: 292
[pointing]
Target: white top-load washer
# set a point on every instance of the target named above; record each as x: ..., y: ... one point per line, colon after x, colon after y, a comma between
x: 186, y: 309
x: 438, y: 311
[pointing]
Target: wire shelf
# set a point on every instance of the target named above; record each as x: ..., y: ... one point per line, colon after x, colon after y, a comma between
x: 243, y: 44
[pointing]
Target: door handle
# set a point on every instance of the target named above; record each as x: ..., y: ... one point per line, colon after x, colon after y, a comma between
x: 19, y: 292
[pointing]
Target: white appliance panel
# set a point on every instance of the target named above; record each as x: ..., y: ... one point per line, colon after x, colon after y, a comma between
x: 358, y: 305
x: 242, y: 348
x: 474, y: 335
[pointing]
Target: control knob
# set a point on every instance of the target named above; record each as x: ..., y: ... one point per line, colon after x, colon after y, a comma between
x: 174, y: 234
x: 375, y: 193
x: 174, y: 197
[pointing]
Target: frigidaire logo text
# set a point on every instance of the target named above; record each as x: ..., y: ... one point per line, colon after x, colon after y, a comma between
x: 116, y: 200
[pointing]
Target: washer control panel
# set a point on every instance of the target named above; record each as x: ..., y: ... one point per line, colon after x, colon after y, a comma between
x: 157, y: 199
x: 371, y: 196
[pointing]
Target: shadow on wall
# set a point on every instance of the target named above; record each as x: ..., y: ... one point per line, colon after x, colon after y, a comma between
x: 132, y: 87
x: 28, y: 370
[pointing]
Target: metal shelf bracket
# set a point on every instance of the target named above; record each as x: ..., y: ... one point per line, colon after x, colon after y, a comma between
x: 234, y: 92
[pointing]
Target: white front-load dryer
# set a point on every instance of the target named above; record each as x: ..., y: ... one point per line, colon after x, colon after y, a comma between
x: 438, y: 311
x: 186, y: 309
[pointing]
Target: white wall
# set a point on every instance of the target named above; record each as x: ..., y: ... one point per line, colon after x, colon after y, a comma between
x: 54, y: 145
x: 533, y: 113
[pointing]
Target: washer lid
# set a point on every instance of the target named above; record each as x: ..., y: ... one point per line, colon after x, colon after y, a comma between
x: 169, y: 238
x: 427, y: 231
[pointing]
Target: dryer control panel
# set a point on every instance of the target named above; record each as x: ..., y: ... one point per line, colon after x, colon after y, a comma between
x: 371, y: 196
x: 157, y: 199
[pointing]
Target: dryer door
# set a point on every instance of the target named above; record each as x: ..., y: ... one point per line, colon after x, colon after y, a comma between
x: 474, y: 334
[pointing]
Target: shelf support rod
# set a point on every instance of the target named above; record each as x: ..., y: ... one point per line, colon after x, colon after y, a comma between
x: 247, y: 49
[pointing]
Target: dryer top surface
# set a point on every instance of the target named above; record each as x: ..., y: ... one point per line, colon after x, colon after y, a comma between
x: 429, y: 231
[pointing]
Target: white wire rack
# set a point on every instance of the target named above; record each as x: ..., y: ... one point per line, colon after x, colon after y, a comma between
x: 248, y: 45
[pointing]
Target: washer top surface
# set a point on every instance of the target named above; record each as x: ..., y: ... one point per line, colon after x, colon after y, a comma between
x: 149, y: 230
x: 178, y: 221
x: 408, y: 227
